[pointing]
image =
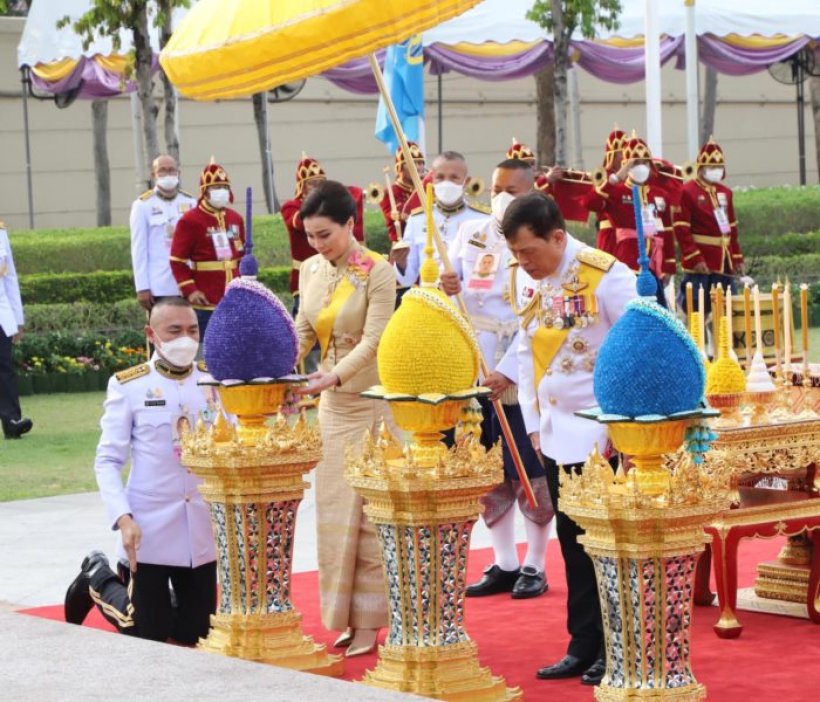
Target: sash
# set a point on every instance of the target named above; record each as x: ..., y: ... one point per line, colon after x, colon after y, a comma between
x: 346, y: 288
x: 547, y: 341
x: 654, y: 248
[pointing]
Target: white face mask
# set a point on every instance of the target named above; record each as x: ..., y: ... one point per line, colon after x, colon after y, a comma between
x: 168, y: 182
x: 179, y: 352
x: 499, y: 204
x: 448, y: 193
x: 713, y: 175
x: 219, y: 197
x: 639, y: 173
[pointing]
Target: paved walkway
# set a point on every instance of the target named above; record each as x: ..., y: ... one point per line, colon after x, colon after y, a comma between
x: 43, y: 542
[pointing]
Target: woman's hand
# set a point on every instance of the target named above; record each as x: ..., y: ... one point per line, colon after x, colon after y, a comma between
x: 319, y: 382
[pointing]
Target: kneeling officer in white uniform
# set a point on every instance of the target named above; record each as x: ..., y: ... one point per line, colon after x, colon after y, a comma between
x: 163, y: 521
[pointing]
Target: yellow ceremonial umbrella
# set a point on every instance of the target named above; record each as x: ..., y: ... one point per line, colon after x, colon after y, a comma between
x: 232, y: 48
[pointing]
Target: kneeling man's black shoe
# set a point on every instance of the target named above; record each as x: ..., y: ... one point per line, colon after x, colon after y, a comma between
x: 568, y: 667
x: 78, y: 602
x: 493, y: 582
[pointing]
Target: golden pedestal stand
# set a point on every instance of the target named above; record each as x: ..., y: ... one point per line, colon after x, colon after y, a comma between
x: 253, y: 481
x: 424, y: 503
x: 644, y: 531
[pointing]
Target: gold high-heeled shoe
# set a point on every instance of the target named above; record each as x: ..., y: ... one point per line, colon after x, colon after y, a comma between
x: 344, y: 640
x: 354, y: 650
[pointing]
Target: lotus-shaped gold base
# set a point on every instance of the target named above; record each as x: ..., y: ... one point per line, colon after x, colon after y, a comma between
x: 646, y: 444
x: 253, y: 403
x: 761, y: 404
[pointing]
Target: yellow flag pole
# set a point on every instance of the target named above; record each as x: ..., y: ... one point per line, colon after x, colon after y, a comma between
x: 506, y: 430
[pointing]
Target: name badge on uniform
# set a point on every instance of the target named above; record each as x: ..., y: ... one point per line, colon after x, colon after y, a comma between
x: 155, y: 403
x: 648, y: 218
x: 222, y: 245
x: 722, y: 221
x: 484, y: 272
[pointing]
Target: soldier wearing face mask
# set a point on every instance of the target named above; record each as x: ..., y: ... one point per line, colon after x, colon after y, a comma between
x: 154, y: 217
x: 208, y: 243
x: 613, y: 199
x: 448, y: 174
x: 707, y: 228
x: 162, y: 522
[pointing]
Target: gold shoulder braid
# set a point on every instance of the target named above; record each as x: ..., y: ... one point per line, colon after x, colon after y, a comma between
x: 147, y: 194
x: 596, y: 258
x: 202, y: 366
x: 129, y: 374
x: 166, y: 371
x: 527, y: 312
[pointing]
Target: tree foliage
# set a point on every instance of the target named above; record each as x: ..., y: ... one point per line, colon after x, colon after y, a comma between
x: 585, y: 15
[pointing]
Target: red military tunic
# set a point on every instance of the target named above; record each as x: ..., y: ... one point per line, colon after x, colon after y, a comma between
x: 699, y: 232
x: 614, y: 201
x: 194, y: 260
x: 569, y: 193
x: 300, y: 249
x: 401, y: 194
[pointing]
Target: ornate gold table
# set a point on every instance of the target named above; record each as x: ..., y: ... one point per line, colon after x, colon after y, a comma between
x: 786, y: 453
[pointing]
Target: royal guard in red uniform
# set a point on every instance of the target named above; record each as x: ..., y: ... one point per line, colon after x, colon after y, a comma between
x: 209, y: 241
x: 309, y: 173
x: 608, y: 171
x: 402, y: 189
x: 706, y: 227
x: 567, y: 187
x: 613, y: 200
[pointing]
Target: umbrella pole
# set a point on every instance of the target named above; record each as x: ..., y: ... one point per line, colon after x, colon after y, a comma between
x: 506, y: 430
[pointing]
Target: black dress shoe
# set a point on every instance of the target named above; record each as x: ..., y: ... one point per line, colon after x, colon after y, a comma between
x: 15, y: 428
x: 78, y: 602
x: 493, y: 582
x: 531, y: 583
x: 568, y: 667
x: 595, y: 673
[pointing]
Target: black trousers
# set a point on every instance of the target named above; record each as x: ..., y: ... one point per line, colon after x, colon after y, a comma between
x: 9, y: 396
x: 143, y: 608
x: 583, y: 607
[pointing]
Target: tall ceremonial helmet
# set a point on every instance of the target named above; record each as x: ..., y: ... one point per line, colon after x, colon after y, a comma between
x: 213, y: 174
x: 711, y: 156
x: 520, y: 152
x: 614, y: 144
x: 634, y: 148
x: 415, y: 152
x: 307, y: 169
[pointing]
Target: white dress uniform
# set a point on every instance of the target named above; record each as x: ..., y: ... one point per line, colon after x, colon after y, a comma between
x: 153, y: 220
x: 11, y: 306
x: 145, y: 411
x: 415, y: 234
x: 566, y: 386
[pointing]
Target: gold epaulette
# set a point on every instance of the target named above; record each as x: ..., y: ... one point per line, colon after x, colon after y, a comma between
x: 596, y: 258
x: 202, y: 366
x: 186, y: 194
x: 479, y: 207
x: 147, y: 194
x: 132, y: 373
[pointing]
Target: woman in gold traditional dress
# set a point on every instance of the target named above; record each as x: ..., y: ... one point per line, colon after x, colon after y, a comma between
x: 347, y: 296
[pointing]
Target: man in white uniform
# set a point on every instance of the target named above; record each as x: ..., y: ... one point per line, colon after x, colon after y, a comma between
x: 568, y: 295
x: 481, y: 261
x: 154, y: 216
x: 11, y: 326
x: 449, y: 175
x: 163, y: 521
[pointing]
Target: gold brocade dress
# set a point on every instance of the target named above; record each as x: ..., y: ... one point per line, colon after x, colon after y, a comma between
x: 351, y: 580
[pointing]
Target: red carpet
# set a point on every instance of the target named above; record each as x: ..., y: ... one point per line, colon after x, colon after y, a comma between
x: 776, y: 659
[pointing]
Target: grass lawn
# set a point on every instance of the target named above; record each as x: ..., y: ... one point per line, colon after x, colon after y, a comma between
x: 57, y: 457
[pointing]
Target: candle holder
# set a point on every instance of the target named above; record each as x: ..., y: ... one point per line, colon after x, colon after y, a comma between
x: 761, y: 404
x: 729, y: 405
x: 253, y: 480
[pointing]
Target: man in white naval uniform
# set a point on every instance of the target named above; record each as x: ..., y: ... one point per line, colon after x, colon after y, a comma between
x: 11, y: 325
x: 481, y: 262
x: 154, y: 216
x: 163, y: 521
x: 568, y: 295
x: 449, y: 174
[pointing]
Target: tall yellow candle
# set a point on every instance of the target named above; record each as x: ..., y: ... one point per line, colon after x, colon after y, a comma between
x: 776, y: 322
x: 804, y: 320
x: 729, y: 313
x: 702, y: 316
x: 747, y: 323
x: 758, y: 325
x: 787, y: 326
x: 689, y: 301
x: 717, y: 313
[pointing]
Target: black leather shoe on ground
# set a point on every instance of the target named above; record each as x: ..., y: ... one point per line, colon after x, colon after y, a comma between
x: 595, y: 673
x: 568, y: 667
x: 493, y: 582
x: 78, y: 602
x: 531, y: 583
x: 15, y: 428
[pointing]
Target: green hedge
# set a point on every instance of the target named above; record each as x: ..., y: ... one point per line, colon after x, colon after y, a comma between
x: 768, y: 212
x: 83, y: 315
x: 105, y: 287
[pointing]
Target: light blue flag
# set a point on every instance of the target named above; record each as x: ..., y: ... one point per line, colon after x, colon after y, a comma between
x: 404, y: 77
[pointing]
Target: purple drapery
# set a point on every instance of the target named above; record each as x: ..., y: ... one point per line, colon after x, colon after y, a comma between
x: 97, y: 82
x: 616, y: 64
x: 493, y: 68
x: 355, y: 76
x: 740, y: 61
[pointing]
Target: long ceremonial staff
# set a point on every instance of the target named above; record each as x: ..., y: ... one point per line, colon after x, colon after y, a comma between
x: 392, y: 198
x: 506, y: 430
